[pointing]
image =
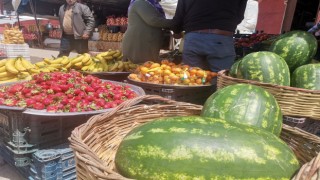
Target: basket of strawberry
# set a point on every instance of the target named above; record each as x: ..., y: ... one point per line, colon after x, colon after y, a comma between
x: 61, y: 92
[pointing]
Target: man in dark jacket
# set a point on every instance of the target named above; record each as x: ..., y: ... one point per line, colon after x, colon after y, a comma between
x: 77, y: 23
x: 209, y: 26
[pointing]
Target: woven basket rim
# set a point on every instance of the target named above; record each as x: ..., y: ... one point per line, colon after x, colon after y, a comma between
x: 224, y: 74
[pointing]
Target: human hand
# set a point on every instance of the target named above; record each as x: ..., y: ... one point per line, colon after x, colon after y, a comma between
x: 85, y: 36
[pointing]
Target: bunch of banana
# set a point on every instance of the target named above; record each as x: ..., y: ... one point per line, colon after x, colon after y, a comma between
x: 15, y: 69
x: 50, y: 65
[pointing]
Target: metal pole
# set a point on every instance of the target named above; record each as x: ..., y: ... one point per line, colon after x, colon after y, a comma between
x: 37, y: 23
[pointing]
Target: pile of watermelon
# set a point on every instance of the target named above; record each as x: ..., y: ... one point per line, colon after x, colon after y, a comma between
x: 235, y: 137
x: 65, y: 92
x: 287, y: 63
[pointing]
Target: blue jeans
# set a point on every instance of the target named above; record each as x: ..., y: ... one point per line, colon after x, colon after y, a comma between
x: 68, y: 43
x: 208, y: 51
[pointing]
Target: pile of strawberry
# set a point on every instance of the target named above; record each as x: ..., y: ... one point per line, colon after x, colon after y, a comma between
x: 65, y: 92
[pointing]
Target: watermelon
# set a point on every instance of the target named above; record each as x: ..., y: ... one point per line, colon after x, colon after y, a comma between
x: 297, y: 48
x: 307, y: 77
x: 195, y: 147
x: 234, y: 69
x: 245, y: 104
x: 266, y: 67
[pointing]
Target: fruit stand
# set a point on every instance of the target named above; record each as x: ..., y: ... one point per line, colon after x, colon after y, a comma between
x: 182, y: 129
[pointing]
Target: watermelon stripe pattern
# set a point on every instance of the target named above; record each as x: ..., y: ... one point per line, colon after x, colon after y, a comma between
x: 203, y: 148
x: 297, y: 48
x: 245, y: 104
x: 307, y: 77
x: 266, y: 67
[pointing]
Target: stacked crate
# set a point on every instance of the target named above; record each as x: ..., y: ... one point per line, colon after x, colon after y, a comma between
x: 14, y: 51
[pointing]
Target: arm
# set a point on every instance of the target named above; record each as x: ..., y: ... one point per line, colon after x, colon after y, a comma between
x: 178, y: 18
x: 250, y: 17
x: 242, y: 8
x: 88, y: 19
x: 150, y: 15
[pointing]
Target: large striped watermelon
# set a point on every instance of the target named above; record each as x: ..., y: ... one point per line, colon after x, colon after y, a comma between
x: 203, y: 148
x: 245, y: 104
x: 296, y: 48
x: 264, y: 66
x: 307, y: 77
x: 234, y: 68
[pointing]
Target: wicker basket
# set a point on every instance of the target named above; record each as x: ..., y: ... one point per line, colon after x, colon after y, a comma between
x: 296, y: 102
x: 95, y: 143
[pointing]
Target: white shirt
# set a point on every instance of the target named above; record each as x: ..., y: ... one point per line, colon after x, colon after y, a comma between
x: 249, y: 22
x: 169, y: 7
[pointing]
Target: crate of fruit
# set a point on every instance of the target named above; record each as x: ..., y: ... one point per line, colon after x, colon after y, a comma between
x: 174, y: 81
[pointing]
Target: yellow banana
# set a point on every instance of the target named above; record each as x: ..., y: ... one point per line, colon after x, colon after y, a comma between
x: 18, y: 65
x: 34, y: 71
x: 47, y: 60
x: 3, y: 62
x: 41, y: 64
x: 104, y: 65
x: 120, y: 65
x: 91, y: 67
x: 3, y: 69
x: 68, y: 65
x: 51, y: 68
x: 23, y: 75
x: 85, y: 68
x: 86, y: 58
x: 77, y: 59
x: 26, y: 64
x: 44, y: 69
x: 107, y: 58
x: 100, y: 67
x: 7, y: 77
x: 10, y: 66
x: 114, y: 67
x: 88, y: 63
x: 117, y: 54
x: 108, y: 53
x: 55, y: 65
x: 63, y: 69
x: 99, y: 57
x: 65, y: 60
x: 57, y: 61
x: 10, y: 80
x: 6, y: 74
x: 79, y: 64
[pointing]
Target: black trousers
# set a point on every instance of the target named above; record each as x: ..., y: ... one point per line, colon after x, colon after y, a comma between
x: 68, y: 43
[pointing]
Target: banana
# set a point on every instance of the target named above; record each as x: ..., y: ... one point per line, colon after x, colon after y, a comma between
x: 26, y: 64
x: 126, y: 66
x: 77, y: 59
x: 108, y: 53
x: 56, y: 65
x: 10, y: 66
x: 91, y: 67
x: 23, y: 75
x: 34, y: 71
x: 6, y: 74
x: 120, y: 57
x: 88, y: 63
x: 85, y: 68
x: 114, y: 67
x: 86, y: 58
x: 120, y: 65
x: 79, y: 64
x: 63, y: 69
x: 47, y: 60
x: 108, y: 58
x: 18, y: 65
x: 117, y: 54
x: 99, y: 57
x: 100, y: 67
x: 41, y: 64
x: 65, y: 60
x: 52, y: 69
x: 68, y: 65
x: 10, y: 76
x: 3, y: 62
x: 44, y: 69
x: 10, y: 80
x: 104, y: 65
x: 3, y: 69
x: 57, y: 61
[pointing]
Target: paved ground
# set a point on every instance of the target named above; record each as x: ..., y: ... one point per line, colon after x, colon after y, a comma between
x: 8, y: 172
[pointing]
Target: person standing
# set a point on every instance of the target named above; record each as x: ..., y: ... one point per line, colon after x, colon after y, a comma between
x: 143, y: 38
x: 249, y: 22
x: 77, y: 23
x: 209, y: 26
x: 315, y: 30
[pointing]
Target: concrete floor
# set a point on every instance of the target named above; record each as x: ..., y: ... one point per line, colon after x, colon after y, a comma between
x: 8, y: 172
